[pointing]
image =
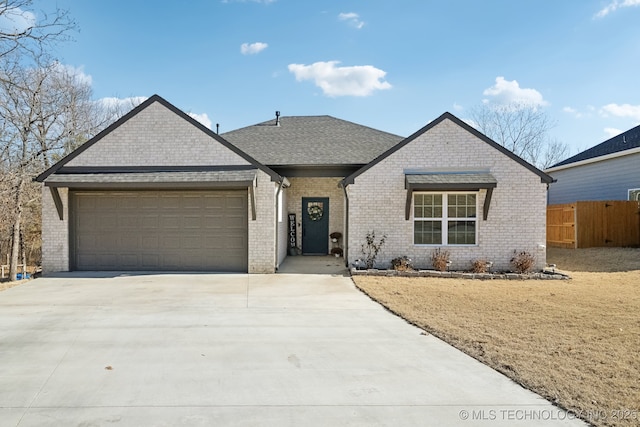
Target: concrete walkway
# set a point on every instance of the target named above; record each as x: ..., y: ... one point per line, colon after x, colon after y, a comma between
x: 243, y: 350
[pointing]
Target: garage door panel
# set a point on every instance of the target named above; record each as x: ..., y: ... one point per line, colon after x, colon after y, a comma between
x: 150, y: 261
x: 235, y: 222
x: 150, y: 221
x: 192, y: 221
x: 154, y: 230
x: 170, y: 201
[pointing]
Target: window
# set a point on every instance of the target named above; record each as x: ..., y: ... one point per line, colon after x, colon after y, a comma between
x: 444, y: 218
x: 634, y: 194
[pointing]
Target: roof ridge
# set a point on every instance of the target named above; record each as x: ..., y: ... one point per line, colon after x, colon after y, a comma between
x: 624, y: 141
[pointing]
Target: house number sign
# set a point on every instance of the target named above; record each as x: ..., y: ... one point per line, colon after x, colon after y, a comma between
x: 292, y: 230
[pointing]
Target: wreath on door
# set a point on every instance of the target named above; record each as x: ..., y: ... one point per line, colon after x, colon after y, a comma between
x: 315, y: 212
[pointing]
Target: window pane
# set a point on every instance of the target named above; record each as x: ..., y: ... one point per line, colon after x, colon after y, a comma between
x: 427, y: 206
x: 461, y: 206
x: 427, y: 232
x: 461, y: 232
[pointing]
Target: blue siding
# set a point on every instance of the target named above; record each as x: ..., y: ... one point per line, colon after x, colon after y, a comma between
x: 605, y: 180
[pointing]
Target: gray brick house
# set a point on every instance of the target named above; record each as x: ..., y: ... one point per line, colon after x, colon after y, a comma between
x: 159, y: 191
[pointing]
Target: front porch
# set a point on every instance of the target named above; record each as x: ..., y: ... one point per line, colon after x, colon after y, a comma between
x: 327, y: 264
x: 318, y: 204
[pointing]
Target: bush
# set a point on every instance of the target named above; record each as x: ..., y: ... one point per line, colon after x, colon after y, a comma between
x: 523, y: 261
x: 480, y: 265
x: 440, y: 259
x: 371, y: 248
x: 402, y: 263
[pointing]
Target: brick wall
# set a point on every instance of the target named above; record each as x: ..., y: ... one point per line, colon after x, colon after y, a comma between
x: 317, y: 187
x: 262, y: 236
x: 517, y: 216
x: 156, y: 136
x: 55, y: 233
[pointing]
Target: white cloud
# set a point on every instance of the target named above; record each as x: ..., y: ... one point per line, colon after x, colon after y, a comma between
x: 471, y: 123
x: 359, y: 80
x: 15, y: 20
x: 509, y: 92
x: 122, y: 104
x: 614, y: 5
x: 352, y: 18
x: 202, y: 118
x: 457, y: 107
x: 252, y: 48
x: 622, y: 110
x: 611, y: 132
x: 572, y: 111
x: 77, y: 72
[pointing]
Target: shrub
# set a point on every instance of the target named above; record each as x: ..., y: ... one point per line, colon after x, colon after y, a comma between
x: 371, y: 248
x: 402, y: 263
x: 440, y: 259
x: 523, y: 261
x: 480, y: 265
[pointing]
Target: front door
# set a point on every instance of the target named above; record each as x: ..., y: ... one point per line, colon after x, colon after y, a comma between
x: 315, y: 225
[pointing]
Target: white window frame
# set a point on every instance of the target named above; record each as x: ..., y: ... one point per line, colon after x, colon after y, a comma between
x: 445, y: 219
x: 637, y: 195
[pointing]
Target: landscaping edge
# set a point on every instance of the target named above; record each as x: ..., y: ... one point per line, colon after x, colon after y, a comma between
x: 542, y: 275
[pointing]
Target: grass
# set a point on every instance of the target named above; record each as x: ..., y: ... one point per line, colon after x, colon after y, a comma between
x: 575, y: 342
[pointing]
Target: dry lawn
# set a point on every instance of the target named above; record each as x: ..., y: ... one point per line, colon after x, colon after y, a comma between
x: 576, y: 342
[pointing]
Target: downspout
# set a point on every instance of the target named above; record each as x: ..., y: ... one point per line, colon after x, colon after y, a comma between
x: 275, y: 264
x: 346, y: 224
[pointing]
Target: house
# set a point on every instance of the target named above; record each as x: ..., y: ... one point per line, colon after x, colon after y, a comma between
x: 607, y: 171
x: 159, y: 191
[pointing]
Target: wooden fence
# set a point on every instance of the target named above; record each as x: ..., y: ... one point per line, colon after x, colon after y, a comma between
x: 593, y: 224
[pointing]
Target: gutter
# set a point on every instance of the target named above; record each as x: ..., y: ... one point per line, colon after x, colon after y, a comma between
x: 345, y: 253
x: 284, y: 182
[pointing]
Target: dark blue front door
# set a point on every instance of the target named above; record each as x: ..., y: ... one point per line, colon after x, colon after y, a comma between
x: 315, y: 225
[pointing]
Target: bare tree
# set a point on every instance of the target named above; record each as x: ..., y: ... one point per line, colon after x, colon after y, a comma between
x: 44, y: 112
x: 24, y: 32
x: 522, y: 129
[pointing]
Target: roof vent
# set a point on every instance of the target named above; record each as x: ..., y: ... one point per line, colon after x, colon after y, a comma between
x: 277, y: 118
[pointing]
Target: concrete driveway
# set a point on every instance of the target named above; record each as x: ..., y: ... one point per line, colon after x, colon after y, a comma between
x: 242, y: 350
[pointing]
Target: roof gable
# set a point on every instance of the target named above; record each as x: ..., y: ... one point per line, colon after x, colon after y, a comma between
x: 311, y: 140
x: 625, y: 141
x: 448, y: 116
x: 156, y: 133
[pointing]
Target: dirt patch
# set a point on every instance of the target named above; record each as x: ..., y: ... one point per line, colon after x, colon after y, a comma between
x: 576, y: 342
x: 595, y: 259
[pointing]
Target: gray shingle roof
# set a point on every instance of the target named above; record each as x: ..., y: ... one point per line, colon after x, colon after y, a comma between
x: 311, y: 140
x: 210, y: 177
x: 625, y: 141
x: 482, y: 179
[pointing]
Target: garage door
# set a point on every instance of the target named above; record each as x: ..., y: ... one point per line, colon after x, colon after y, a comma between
x: 159, y: 230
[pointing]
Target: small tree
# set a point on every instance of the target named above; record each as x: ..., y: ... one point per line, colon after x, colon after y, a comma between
x: 523, y: 129
x: 371, y: 248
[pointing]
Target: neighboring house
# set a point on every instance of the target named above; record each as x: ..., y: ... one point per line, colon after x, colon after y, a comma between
x: 159, y: 191
x: 608, y: 171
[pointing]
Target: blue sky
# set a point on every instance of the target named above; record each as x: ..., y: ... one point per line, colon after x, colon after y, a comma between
x: 391, y: 65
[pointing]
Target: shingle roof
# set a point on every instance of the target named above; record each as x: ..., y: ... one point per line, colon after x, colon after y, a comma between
x: 210, y: 177
x: 311, y: 140
x: 624, y: 141
x: 482, y: 179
